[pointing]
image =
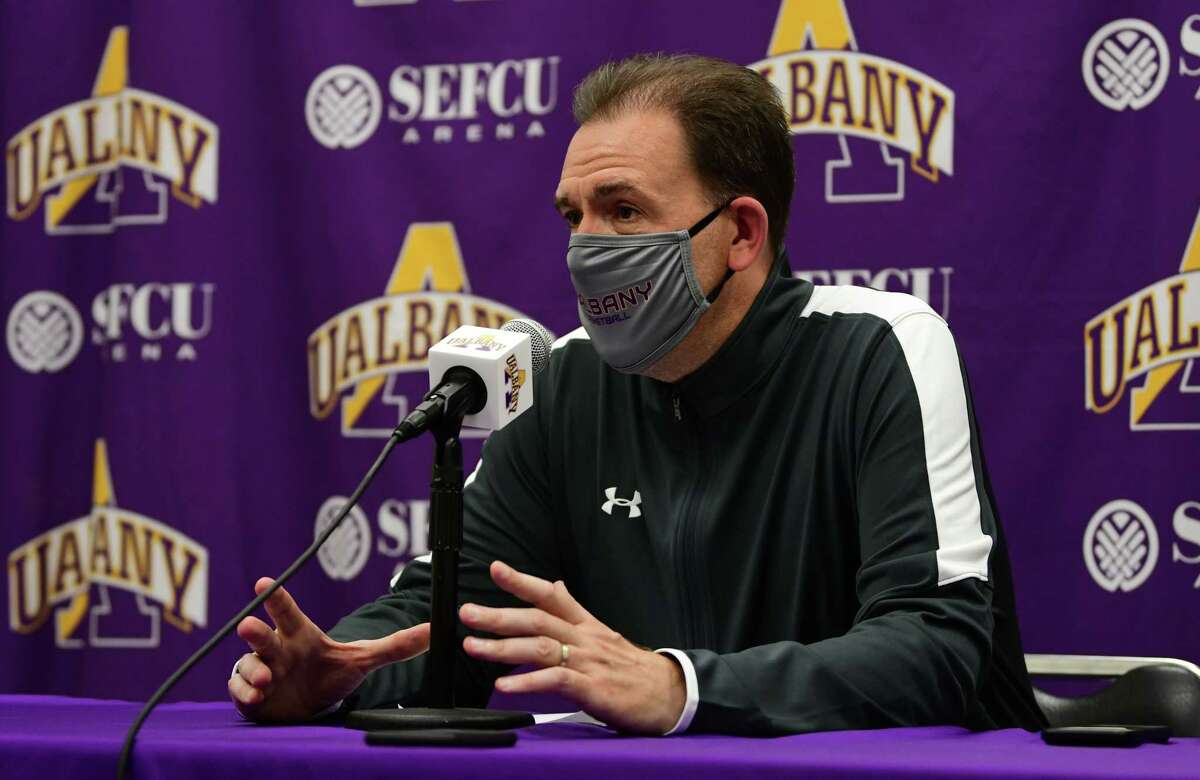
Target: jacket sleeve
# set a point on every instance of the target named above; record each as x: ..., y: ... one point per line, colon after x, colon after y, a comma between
x: 505, y: 517
x: 921, y: 638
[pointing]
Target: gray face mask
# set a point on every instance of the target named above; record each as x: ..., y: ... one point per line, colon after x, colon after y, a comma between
x: 638, y: 294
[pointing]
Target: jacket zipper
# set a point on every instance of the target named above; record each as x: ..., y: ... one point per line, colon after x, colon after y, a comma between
x: 685, y: 539
x: 701, y: 614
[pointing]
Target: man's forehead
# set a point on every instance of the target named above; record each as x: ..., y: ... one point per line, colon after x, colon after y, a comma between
x: 644, y: 150
x: 606, y: 181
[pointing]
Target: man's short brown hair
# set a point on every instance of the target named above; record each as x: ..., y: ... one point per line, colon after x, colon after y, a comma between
x: 733, y: 120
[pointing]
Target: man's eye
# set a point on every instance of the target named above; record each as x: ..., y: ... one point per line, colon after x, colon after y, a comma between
x: 626, y: 213
x: 573, y: 218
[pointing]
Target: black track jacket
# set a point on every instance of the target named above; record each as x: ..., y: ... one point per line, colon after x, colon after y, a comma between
x: 807, y: 516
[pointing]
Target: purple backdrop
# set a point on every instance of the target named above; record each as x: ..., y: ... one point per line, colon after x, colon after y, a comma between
x: 232, y: 231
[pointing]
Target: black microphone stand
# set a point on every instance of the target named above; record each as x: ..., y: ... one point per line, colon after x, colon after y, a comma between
x: 442, y: 412
x: 400, y: 435
x: 446, y: 538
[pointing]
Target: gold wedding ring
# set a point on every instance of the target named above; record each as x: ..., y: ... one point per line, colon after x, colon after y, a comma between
x: 566, y: 654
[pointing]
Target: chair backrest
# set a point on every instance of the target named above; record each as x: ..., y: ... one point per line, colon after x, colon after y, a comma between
x: 1157, y: 694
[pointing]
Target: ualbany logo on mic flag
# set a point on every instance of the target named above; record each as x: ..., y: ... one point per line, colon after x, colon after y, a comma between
x: 83, y: 147
x: 830, y: 87
x: 78, y: 562
x: 499, y: 359
x: 514, y: 378
x: 361, y: 351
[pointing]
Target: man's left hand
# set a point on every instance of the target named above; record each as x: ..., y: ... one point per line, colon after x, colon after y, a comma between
x: 610, y: 678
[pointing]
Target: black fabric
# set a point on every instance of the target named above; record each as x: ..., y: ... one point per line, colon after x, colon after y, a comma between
x: 1159, y: 695
x: 770, y: 515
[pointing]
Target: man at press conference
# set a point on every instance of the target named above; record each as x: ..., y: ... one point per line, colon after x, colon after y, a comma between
x: 742, y: 503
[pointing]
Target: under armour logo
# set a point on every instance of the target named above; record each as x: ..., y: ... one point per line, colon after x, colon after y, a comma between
x: 632, y: 504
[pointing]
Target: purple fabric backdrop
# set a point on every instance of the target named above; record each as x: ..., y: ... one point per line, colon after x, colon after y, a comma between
x: 232, y: 230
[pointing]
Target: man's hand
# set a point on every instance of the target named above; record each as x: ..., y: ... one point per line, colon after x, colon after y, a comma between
x: 296, y: 670
x: 628, y: 688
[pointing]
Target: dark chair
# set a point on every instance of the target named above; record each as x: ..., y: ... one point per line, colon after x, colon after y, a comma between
x: 1150, y: 691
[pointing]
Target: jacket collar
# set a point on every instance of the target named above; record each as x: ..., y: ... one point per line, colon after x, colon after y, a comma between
x: 753, y: 349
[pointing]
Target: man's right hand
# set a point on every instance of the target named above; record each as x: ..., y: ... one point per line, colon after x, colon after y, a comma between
x: 296, y: 670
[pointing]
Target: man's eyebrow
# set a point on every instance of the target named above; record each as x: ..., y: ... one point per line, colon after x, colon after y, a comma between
x: 604, y: 190
x: 610, y: 188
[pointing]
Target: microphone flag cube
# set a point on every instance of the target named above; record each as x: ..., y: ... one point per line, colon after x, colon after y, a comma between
x: 502, y: 359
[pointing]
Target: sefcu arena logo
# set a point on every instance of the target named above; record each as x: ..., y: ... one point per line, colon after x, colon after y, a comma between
x: 84, y: 148
x: 365, y: 351
x: 150, y: 322
x: 1154, y: 332
x: 930, y: 284
x: 469, y: 101
x: 109, y: 549
x: 44, y: 332
x: 829, y: 87
x: 1125, y: 64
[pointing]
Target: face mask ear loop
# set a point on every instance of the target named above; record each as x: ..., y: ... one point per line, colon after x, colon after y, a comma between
x: 696, y: 228
x: 707, y: 220
x: 712, y: 296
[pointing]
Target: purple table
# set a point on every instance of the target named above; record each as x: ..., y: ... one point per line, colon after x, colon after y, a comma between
x: 56, y: 737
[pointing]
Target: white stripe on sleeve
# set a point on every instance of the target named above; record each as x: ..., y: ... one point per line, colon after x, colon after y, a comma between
x: 963, y: 547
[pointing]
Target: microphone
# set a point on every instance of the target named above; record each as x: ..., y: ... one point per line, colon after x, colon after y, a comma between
x: 484, y: 372
x: 481, y: 375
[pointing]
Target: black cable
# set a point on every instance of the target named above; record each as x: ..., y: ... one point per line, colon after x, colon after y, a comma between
x: 397, y: 437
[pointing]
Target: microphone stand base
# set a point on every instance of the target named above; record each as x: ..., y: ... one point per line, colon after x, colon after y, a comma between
x: 395, y: 718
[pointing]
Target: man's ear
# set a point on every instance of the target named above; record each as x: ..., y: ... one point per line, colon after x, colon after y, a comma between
x: 752, y: 230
